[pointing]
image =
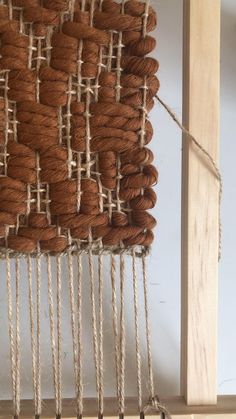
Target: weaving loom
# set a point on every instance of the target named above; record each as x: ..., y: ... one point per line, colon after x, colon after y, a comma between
x: 76, y: 175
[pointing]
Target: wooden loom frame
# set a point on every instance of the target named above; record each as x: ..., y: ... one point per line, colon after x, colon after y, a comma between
x: 200, y: 216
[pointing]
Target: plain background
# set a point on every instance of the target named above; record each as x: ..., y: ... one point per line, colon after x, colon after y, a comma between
x: 164, y: 263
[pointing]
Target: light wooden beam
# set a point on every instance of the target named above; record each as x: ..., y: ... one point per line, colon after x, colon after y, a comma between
x: 200, y: 201
x: 225, y: 408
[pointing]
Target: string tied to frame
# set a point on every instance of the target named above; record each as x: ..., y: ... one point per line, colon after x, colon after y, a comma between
x: 155, y: 404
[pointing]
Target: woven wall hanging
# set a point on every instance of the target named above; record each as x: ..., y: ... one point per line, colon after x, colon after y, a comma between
x: 76, y: 178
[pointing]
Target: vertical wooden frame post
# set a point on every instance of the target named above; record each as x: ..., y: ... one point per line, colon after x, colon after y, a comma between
x: 200, y: 201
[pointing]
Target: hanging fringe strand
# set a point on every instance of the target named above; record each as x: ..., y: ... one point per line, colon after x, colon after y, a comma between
x: 79, y: 384
x: 55, y: 302
x: 137, y: 338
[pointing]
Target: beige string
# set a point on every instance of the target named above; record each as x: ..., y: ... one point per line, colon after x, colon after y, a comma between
x: 38, y: 336
x: 35, y: 342
x: 72, y: 308
x: 17, y: 395
x: 210, y: 159
x: 154, y: 401
x: 59, y: 334
x: 100, y: 329
x: 11, y: 333
x: 52, y: 334
x: 32, y: 327
x: 79, y: 393
x: 122, y: 336
x: 137, y: 340
x: 147, y: 324
x: 115, y: 324
x: 94, y: 319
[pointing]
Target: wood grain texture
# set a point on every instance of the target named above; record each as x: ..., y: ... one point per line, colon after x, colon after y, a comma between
x: 200, y: 202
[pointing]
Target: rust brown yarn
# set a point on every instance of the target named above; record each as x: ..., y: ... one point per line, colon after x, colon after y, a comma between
x: 76, y: 89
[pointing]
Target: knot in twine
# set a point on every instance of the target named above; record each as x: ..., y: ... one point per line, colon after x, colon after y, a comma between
x: 155, y: 403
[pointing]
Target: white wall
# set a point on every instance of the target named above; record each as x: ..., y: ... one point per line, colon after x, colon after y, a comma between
x: 227, y: 307
x: 168, y: 154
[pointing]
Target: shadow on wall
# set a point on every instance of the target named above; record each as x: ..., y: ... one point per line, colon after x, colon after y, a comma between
x: 228, y: 56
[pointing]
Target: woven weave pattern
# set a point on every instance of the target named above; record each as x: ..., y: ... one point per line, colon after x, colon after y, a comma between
x: 76, y: 87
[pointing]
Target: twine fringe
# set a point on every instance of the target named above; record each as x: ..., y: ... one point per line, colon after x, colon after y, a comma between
x: 55, y: 303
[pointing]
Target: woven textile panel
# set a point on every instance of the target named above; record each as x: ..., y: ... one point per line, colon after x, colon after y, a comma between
x: 76, y: 87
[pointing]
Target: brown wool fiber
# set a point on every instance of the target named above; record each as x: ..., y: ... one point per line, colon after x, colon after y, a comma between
x: 77, y: 86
